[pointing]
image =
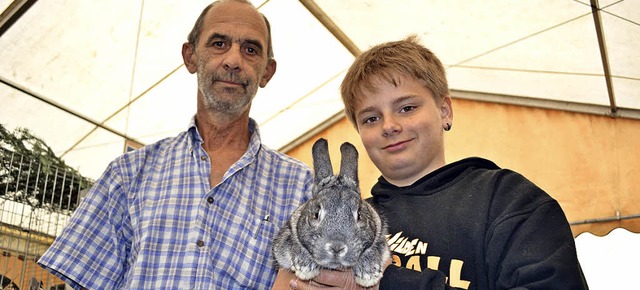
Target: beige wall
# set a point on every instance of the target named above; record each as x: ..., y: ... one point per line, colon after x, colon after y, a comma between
x: 589, y: 163
x: 20, y: 270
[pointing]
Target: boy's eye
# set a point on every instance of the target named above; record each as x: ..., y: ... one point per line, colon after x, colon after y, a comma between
x: 407, y: 108
x: 369, y: 120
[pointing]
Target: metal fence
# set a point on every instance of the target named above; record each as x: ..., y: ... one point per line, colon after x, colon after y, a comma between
x: 36, y: 200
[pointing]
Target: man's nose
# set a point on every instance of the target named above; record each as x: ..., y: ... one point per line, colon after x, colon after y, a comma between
x: 232, y: 58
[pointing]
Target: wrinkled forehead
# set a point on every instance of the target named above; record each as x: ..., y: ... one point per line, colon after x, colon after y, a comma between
x: 237, y: 20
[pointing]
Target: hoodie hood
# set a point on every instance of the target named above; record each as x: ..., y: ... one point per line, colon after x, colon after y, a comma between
x: 433, y: 182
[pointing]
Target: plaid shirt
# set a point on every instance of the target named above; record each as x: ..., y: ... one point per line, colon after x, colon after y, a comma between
x: 152, y: 222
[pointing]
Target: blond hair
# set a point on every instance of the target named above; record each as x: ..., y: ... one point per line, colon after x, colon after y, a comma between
x: 387, y: 62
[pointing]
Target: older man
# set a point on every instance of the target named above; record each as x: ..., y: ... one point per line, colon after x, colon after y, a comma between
x: 199, y: 210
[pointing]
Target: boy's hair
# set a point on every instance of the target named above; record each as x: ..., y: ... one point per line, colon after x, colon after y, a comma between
x: 387, y: 62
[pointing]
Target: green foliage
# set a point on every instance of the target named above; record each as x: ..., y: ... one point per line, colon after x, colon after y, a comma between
x: 31, y: 173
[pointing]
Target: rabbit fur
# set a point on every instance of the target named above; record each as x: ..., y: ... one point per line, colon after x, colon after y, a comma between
x: 334, y: 229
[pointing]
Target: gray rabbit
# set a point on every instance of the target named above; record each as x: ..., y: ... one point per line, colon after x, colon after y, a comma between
x: 335, y: 229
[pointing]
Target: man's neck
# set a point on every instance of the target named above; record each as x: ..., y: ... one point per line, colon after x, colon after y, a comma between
x: 223, y: 133
x: 225, y: 141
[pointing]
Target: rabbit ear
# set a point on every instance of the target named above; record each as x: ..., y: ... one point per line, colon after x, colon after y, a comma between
x: 349, y: 162
x: 321, y: 159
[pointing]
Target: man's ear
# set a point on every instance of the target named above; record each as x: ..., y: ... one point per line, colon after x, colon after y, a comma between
x: 188, y: 57
x: 269, y: 71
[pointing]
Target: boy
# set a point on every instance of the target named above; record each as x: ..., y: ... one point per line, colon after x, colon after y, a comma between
x: 480, y: 226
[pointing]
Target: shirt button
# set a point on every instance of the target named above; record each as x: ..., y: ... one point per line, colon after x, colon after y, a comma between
x: 200, y: 243
x: 203, y: 158
x: 210, y: 199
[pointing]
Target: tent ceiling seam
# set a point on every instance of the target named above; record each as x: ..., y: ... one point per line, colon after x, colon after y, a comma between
x: 298, y: 100
x: 517, y: 40
x: 538, y: 71
x: 314, y: 131
x: 127, y: 107
x: 618, y: 16
x: 593, y: 109
x: 64, y: 109
x: 134, y: 65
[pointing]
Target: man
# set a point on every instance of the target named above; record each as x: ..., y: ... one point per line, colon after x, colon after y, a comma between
x: 197, y: 211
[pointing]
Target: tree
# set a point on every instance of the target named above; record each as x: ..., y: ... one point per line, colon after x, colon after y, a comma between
x: 31, y: 173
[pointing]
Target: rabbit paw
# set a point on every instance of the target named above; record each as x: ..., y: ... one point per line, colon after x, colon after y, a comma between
x: 367, y: 275
x: 307, y: 272
x: 305, y: 269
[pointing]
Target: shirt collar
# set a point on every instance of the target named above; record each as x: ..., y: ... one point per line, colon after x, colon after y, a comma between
x: 254, y: 141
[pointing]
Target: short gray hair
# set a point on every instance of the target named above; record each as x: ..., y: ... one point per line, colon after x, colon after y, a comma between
x: 194, y: 35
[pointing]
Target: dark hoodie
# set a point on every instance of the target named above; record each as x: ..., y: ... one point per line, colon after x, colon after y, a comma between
x: 472, y: 225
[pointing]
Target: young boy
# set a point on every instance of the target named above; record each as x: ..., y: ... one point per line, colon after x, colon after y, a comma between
x: 463, y: 225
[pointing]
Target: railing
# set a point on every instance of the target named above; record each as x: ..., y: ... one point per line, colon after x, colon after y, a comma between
x: 36, y: 201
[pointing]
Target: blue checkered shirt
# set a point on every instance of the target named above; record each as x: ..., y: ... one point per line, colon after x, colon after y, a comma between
x: 152, y: 222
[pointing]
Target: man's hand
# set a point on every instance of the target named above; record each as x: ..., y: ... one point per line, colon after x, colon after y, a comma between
x: 287, y: 280
x: 330, y: 280
x: 283, y: 280
x: 326, y: 280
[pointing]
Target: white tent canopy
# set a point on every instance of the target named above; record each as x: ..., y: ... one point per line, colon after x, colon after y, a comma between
x: 611, y: 261
x: 87, y: 75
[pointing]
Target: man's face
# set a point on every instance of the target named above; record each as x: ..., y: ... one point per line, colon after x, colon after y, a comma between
x: 230, y: 58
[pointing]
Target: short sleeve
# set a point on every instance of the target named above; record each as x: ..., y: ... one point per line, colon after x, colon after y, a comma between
x: 91, y: 252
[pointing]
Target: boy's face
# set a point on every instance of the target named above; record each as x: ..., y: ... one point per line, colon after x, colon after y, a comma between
x: 402, y: 129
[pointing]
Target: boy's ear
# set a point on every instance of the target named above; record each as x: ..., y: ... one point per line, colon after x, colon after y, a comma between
x: 188, y: 55
x: 446, y: 110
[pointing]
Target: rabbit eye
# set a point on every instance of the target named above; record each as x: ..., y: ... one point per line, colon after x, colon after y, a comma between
x: 319, y: 214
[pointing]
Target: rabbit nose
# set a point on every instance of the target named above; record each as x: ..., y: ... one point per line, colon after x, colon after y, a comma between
x: 336, y: 249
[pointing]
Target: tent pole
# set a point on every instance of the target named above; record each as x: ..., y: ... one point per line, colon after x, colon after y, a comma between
x: 617, y: 217
x: 12, y: 13
x: 317, y: 12
x: 595, y: 9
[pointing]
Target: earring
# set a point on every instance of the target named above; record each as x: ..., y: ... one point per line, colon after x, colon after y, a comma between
x: 448, y: 127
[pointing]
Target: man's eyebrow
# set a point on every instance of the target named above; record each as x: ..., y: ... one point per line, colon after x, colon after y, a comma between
x: 218, y: 36
x: 254, y: 42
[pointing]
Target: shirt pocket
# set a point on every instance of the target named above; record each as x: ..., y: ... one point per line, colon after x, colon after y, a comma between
x: 251, y: 266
